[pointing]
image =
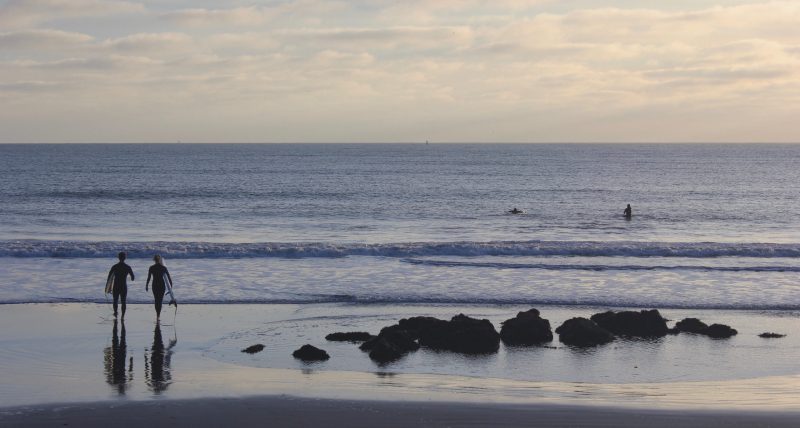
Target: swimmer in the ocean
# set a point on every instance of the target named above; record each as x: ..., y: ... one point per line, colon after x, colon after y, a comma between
x: 515, y: 211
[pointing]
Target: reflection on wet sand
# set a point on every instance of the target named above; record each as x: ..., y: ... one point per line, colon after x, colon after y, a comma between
x: 157, y: 361
x: 114, y: 358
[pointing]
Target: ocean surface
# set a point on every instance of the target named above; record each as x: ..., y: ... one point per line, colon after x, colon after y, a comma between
x: 714, y: 226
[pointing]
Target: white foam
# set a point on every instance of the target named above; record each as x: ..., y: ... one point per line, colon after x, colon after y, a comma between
x: 199, y: 250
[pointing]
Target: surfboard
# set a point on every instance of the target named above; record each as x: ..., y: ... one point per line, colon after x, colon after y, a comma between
x: 168, y: 284
x: 110, y: 284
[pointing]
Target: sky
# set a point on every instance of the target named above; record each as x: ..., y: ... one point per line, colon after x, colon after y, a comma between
x: 399, y: 71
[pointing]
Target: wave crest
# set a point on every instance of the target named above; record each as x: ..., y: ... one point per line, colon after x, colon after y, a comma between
x: 193, y: 250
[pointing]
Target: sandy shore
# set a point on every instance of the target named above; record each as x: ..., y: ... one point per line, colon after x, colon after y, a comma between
x: 284, y: 411
x: 190, y: 369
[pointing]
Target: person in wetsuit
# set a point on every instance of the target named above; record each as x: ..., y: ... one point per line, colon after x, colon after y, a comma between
x: 120, y: 272
x: 628, y: 212
x: 157, y: 272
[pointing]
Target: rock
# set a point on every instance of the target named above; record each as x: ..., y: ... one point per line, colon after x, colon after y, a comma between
x: 527, y: 328
x: 771, y: 335
x: 391, y: 344
x: 694, y: 325
x: 719, y: 331
x: 583, y: 332
x: 254, y: 349
x: 461, y: 334
x: 383, y: 351
x: 352, y: 336
x: 415, y: 325
x: 691, y: 325
x: 310, y: 353
x: 633, y: 324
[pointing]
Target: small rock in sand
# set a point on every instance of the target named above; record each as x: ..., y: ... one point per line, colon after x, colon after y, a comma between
x: 254, y: 349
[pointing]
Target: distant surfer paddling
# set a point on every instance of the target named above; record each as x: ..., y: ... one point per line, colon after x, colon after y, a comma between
x: 117, y: 282
x: 628, y: 212
x: 515, y: 211
x: 162, y: 282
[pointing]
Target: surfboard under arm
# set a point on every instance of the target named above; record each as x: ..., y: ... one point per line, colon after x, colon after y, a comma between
x: 168, y: 285
x: 110, y: 284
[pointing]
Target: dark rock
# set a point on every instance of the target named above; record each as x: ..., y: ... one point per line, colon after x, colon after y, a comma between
x: 415, y: 325
x: 391, y: 343
x: 310, y: 353
x: 634, y: 324
x: 383, y: 351
x: 583, y: 332
x: 694, y: 325
x: 461, y: 334
x: 401, y: 338
x: 527, y: 328
x: 253, y: 349
x: 691, y: 325
x: 771, y: 335
x: 352, y: 336
x: 719, y: 331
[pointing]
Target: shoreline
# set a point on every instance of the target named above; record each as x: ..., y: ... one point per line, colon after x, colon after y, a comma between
x: 290, y: 411
x: 74, y: 352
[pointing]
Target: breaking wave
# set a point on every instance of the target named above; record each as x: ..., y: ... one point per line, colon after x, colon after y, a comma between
x: 194, y: 250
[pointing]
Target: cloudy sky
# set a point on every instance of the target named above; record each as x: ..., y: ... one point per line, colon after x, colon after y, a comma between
x: 384, y: 71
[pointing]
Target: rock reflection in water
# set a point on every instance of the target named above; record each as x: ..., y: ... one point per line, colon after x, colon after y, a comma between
x: 157, y: 362
x: 114, y: 356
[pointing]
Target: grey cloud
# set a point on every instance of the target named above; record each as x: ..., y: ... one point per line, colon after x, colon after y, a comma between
x: 30, y: 86
x: 41, y: 39
x: 148, y: 42
x: 21, y: 13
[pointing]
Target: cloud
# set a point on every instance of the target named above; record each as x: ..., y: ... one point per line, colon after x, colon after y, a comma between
x: 457, y: 69
x: 244, y: 16
x: 155, y: 43
x: 25, y: 13
x: 42, y: 39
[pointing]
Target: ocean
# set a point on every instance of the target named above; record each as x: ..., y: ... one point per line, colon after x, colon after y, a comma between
x: 713, y: 226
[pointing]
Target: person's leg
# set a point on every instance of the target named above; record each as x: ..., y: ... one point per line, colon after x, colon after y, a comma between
x: 123, y: 296
x: 116, y: 298
x: 158, y: 294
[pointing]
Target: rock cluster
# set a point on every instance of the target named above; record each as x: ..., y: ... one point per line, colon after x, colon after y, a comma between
x: 467, y: 335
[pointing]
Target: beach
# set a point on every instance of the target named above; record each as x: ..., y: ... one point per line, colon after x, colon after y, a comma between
x: 61, y: 368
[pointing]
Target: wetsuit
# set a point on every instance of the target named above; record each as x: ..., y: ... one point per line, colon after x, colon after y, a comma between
x: 120, y: 272
x: 157, y: 272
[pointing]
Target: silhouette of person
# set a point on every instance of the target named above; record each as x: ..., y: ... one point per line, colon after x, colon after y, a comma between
x: 157, y: 272
x: 114, y: 358
x: 120, y: 272
x: 515, y: 211
x: 628, y: 211
x: 157, y: 364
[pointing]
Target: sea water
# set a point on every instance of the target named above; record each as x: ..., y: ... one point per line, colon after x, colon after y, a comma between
x: 713, y: 226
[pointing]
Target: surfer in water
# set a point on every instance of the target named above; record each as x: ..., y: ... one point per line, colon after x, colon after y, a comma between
x: 628, y: 212
x: 158, y: 272
x: 515, y: 211
x: 120, y: 271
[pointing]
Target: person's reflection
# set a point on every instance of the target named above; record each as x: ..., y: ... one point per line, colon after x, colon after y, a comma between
x: 157, y: 363
x: 114, y: 358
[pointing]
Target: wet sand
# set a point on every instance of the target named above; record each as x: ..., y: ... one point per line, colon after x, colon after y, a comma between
x: 189, y: 368
x: 285, y: 411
